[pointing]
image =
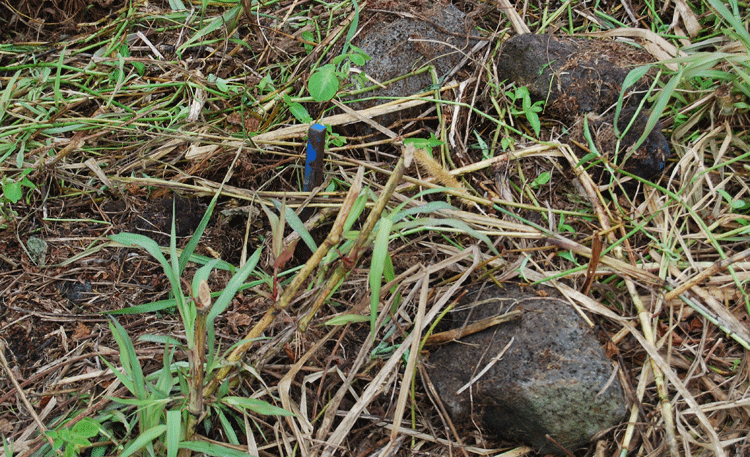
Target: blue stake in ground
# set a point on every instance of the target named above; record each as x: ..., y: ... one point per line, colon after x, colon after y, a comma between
x: 316, y: 142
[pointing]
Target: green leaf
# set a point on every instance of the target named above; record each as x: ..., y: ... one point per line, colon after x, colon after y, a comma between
x: 379, y: 253
x: 225, y: 298
x: 174, y: 424
x: 212, y: 449
x: 347, y: 319
x: 357, y: 59
x: 86, y: 427
x: 202, y: 274
x: 228, y: 427
x: 297, y: 225
x: 357, y: 209
x: 308, y: 36
x: 214, y: 25
x: 300, y: 113
x: 144, y: 242
x: 567, y: 255
x: 424, y: 143
x: 352, y: 27
x: 221, y: 83
x: 177, y: 5
x: 12, y: 190
x: 533, y: 119
x: 430, y: 207
x: 128, y: 358
x: 587, y: 158
x: 430, y: 223
x: 256, y: 406
x: 323, y: 83
x: 144, y: 439
x: 486, y: 153
x: 541, y: 180
x: 634, y: 76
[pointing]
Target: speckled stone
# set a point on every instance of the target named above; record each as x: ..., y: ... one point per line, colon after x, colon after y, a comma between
x: 554, y: 379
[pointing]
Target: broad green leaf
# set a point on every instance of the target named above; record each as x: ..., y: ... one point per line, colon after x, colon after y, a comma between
x: 533, y: 119
x: 12, y: 191
x: 300, y: 113
x: 541, y: 180
x: 357, y: 59
x: 323, y: 83
x: 424, y: 143
x: 86, y: 427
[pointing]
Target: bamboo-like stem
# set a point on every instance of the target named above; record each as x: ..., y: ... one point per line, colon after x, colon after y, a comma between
x: 363, y: 239
x: 197, y: 364
x: 331, y: 240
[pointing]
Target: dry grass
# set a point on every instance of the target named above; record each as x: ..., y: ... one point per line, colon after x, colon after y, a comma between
x: 105, y: 110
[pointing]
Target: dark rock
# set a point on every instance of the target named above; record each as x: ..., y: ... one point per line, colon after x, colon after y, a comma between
x: 156, y: 221
x: 77, y: 292
x: 647, y: 161
x: 572, y: 75
x: 436, y: 36
x: 554, y: 378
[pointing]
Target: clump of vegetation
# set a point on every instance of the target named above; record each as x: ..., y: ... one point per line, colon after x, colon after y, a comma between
x: 166, y: 333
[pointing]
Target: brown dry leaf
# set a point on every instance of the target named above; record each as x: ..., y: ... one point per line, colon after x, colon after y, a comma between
x: 695, y: 324
x: 81, y: 331
x: 5, y: 427
x: 237, y: 320
x: 250, y: 123
x: 688, y: 18
x: 611, y: 349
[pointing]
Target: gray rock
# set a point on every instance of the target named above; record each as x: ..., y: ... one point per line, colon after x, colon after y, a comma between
x: 572, y: 75
x: 436, y: 36
x: 554, y: 378
x: 647, y: 161
x: 37, y: 250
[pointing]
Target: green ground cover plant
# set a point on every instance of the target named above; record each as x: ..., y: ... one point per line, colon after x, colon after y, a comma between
x: 157, y: 149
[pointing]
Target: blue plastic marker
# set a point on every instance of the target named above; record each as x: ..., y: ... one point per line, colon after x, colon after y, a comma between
x: 316, y: 142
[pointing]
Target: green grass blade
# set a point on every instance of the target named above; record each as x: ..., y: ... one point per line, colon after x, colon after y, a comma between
x: 174, y: 425
x: 297, y: 225
x: 233, y: 286
x: 187, y: 253
x: 379, y: 254
x: 212, y: 26
x: 128, y: 358
x: 255, y: 405
x: 212, y: 449
x: 736, y: 22
x: 144, y: 439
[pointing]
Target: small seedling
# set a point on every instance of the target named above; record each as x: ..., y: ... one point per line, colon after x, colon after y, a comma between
x: 528, y: 109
